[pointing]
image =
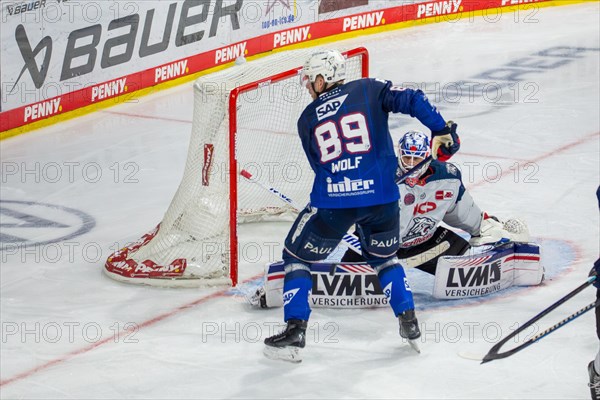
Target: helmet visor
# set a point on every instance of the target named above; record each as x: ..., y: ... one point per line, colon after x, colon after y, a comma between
x: 303, y: 77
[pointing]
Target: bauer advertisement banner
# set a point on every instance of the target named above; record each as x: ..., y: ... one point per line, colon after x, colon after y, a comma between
x: 62, y: 55
x: 53, y: 47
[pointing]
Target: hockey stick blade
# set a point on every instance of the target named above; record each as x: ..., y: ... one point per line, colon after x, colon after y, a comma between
x: 494, y: 354
x: 469, y: 355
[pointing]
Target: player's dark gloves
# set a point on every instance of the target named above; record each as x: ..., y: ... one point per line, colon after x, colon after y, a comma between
x: 596, y: 271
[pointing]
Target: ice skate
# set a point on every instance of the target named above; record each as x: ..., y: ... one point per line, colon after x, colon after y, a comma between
x: 287, y: 344
x: 594, y: 381
x: 409, y: 328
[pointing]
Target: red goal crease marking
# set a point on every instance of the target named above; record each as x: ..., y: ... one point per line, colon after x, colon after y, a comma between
x: 544, y: 156
x: 149, y: 322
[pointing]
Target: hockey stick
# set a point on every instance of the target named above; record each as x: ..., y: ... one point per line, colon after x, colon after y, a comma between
x: 402, y: 178
x: 493, y: 353
x: 351, y: 240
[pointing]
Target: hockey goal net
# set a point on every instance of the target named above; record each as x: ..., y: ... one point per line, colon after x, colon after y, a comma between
x: 244, y: 118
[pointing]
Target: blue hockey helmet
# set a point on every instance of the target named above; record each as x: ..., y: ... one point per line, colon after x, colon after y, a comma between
x: 413, y: 147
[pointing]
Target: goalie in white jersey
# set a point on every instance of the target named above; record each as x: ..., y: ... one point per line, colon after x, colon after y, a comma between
x: 434, y: 194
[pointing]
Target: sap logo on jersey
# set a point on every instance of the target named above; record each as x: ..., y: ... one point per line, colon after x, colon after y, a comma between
x: 289, y: 295
x: 387, y: 290
x: 330, y: 107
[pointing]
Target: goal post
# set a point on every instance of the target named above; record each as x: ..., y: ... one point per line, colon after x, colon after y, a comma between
x: 244, y: 118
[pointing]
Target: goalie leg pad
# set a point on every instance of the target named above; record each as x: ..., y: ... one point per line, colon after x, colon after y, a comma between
x: 480, y: 273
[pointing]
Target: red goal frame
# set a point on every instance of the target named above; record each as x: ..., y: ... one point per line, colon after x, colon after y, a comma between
x: 233, y: 164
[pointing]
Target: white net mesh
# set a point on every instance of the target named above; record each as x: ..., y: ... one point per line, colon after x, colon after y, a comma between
x: 194, y: 235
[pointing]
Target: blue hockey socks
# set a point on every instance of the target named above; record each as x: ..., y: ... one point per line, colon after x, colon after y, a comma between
x: 296, y: 288
x: 396, y: 288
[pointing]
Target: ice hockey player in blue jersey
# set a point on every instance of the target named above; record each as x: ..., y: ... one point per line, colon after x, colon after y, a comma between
x: 594, y: 365
x: 345, y: 135
x: 434, y: 194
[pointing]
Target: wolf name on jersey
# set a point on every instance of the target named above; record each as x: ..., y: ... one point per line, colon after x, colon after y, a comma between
x: 345, y: 136
x: 439, y: 195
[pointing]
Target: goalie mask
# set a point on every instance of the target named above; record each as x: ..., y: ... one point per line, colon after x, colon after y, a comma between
x: 331, y: 65
x: 413, y: 148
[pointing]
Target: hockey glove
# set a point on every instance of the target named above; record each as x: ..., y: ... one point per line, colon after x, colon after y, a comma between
x: 445, y: 143
x: 596, y: 271
x: 490, y: 231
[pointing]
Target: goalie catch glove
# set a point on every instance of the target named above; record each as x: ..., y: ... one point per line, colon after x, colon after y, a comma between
x: 445, y: 143
x: 492, y: 230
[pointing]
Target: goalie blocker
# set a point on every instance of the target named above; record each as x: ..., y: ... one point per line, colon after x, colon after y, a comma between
x: 482, y: 271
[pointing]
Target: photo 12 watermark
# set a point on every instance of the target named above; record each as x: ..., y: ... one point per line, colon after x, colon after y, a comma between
x: 68, y: 332
x: 55, y: 172
x: 255, y: 332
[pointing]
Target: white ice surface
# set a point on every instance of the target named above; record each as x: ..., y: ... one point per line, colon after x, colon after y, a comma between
x: 60, y: 316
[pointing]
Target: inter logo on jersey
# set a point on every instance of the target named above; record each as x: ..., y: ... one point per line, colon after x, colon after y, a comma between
x: 330, y: 107
x: 350, y: 187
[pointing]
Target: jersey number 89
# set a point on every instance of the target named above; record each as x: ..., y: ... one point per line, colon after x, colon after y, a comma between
x: 353, y: 128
